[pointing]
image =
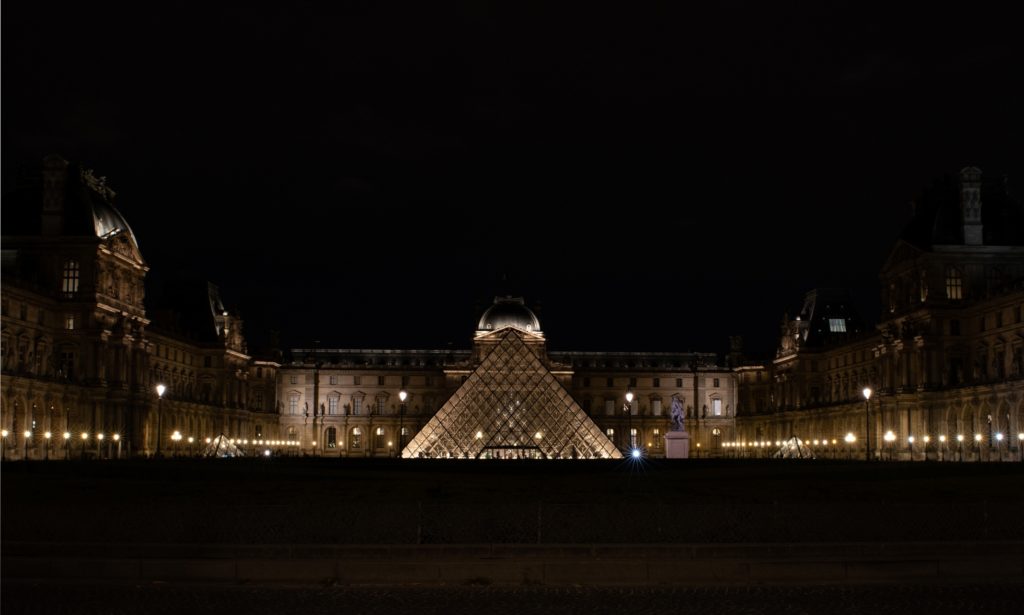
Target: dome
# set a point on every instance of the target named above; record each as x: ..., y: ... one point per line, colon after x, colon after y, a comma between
x: 509, y: 312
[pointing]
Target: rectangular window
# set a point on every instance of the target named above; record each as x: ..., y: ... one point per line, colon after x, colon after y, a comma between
x: 609, y: 407
x: 954, y: 284
x: 293, y: 404
x: 67, y: 364
x: 332, y: 405
x: 380, y: 380
x: 332, y: 438
x: 657, y: 382
x: 69, y: 322
x: 656, y: 407
x: 715, y: 381
x: 716, y: 407
x: 69, y: 281
x: 837, y: 325
x: 355, y: 380
x: 258, y: 400
x: 610, y: 432
x: 380, y: 405
x: 333, y: 380
x: 679, y: 383
x: 357, y: 405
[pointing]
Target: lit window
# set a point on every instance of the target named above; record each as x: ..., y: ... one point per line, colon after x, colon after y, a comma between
x: 716, y: 407
x: 69, y: 278
x: 610, y: 432
x: 332, y: 437
x: 69, y: 322
x: 293, y: 403
x: 954, y: 284
x: 332, y: 405
x: 837, y: 325
x: 357, y: 437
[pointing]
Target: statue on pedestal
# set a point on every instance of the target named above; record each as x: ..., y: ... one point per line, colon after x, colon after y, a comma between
x: 678, y: 416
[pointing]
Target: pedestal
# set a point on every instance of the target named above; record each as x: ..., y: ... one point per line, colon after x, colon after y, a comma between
x: 677, y: 445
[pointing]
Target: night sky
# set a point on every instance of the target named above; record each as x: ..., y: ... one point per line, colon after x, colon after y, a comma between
x: 653, y: 178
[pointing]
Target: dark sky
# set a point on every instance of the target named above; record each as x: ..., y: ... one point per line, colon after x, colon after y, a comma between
x: 655, y: 178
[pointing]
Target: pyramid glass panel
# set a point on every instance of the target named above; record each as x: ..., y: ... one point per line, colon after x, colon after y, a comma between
x: 511, y: 407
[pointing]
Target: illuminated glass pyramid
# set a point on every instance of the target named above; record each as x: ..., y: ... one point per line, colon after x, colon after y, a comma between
x: 511, y: 407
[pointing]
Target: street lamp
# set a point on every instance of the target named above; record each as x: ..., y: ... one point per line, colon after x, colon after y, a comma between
x: 67, y: 445
x: 977, y: 445
x: 890, y: 437
x: 85, y: 438
x: 99, y: 446
x: 960, y: 445
x: 28, y: 436
x: 402, y: 396
x: 629, y: 418
x: 191, y: 440
x: 176, y: 436
x: 3, y: 443
x: 1020, y: 445
x: 926, y: 439
x: 867, y: 423
x: 910, y: 444
x: 117, y: 438
x: 159, y: 415
x: 46, y: 451
x: 849, y: 439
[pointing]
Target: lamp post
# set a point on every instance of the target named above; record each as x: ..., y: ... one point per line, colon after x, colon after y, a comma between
x: 849, y: 439
x: 99, y: 446
x: 910, y: 445
x: 926, y: 439
x: 28, y: 436
x: 626, y: 407
x: 890, y: 437
x: 867, y: 423
x: 960, y: 445
x: 999, y: 439
x: 85, y: 438
x: 176, y: 436
x: 942, y: 447
x: 67, y: 445
x: 191, y: 440
x: 1020, y: 445
x: 402, y: 396
x: 117, y: 438
x: 977, y: 445
x: 46, y: 451
x: 3, y: 444
x: 159, y: 415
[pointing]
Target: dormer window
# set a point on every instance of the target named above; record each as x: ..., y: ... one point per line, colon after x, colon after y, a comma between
x: 954, y: 284
x: 837, y: 325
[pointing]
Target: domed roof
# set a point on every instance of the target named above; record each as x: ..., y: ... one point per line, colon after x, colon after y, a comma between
x: 509, y: 312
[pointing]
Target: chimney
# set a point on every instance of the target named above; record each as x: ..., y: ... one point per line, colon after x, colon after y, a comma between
x: 970, y: 204
x: 55, y: 175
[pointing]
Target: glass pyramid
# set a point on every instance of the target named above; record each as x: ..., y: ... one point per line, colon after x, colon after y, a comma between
x: 511, y: 407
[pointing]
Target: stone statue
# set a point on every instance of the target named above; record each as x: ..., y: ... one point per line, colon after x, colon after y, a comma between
x: 677, y: 415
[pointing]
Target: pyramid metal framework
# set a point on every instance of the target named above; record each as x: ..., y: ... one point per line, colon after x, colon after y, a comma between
x: 511, y: 407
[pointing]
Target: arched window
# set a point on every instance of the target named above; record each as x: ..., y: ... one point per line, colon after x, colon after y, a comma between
x: 69, y: 278
x: 357, y: 438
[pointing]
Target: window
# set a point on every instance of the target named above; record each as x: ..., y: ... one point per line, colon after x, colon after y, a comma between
x: 380, y: 380
x: 716, y: 407
x: 954, y: 284
x: 332, y: 437
x: 715, y: 382
x: 355, y: 380
x: 292, y: 379
x: 632, y: 437
x: 332, y: 405
x: 69, y: 278
x: 380, y: 405
x: 67, y: 364
x: 656, y: 407
x: 258, y: 400
x: 837, y: 325
x: 293, y: 403
x: 334, y: 380
x: 69, y: 322
x: 609, y: 407
x: 378, y: 438
x: 609, y: 382
x: 357, y: 405
x: 657, y: 382
x: 357, y: 437
x: 679, y: 383
x: 610, y: 432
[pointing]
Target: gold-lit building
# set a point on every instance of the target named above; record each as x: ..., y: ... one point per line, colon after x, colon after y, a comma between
x: 82, y: 355
x: 944, y: 368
